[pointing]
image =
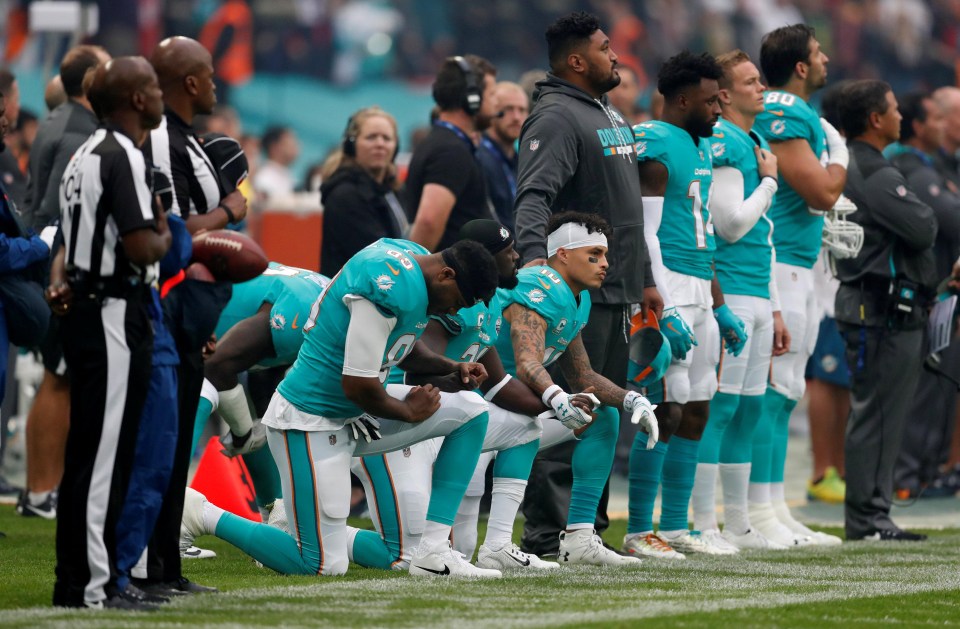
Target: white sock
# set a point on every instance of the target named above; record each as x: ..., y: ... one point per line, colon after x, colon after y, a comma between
x: 465, y: 525
x: 37, y: 497
x: 211, y: 516
x: 704, y: 497
x: 776, y: 492
x: 579, y: 526
x: 505, y: 502
x: 669, y: 535
x: 759, y: 493
x: 351, y: 536
x: 736, y: 480
x: 434, y: 536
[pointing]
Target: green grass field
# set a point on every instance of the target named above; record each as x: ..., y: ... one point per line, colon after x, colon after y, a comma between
x: 863, y: 584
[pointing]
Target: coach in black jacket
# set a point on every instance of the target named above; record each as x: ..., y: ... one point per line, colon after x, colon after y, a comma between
x: 881, y: 307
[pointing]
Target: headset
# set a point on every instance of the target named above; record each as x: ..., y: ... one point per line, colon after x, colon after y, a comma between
x: 349, y: 144
x: 473, y: 93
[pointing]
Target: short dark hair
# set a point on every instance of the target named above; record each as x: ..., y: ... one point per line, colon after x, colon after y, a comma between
x: 477, y: 276
x: 593, y: 222
x: 913, y: 107
x: 782, y: 49
x: 7, y: 79
x: 686, y: 69
x: 450, y: 85
x: 830, y: 102
x: 567, y: 33
x: 272, y: 136
x: 860, y: 99
x: 75, y: 65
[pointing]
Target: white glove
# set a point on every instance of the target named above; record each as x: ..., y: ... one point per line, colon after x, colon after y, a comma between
x: 836, y: 145
x: 47, y: 234
x: 256, y: 439
x: 642, y: 415
x: 568, y: 414
x: 366, y: 426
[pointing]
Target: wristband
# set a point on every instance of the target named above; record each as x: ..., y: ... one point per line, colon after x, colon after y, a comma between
x: 552, y: 390
x: 230, y: 217
x: 492, y: 393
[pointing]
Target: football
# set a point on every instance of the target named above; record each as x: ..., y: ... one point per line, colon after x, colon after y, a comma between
x: 229, y: 255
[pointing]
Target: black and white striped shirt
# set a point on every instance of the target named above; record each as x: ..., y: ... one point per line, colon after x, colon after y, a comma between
x: 106, y: 193
x: 174, y: 149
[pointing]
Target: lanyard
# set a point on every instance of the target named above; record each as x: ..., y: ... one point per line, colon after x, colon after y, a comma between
x: 457, y: 131
x: 505, y: 164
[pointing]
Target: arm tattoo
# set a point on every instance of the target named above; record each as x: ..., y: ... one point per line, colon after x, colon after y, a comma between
x: 577, y: 370
x: 527, y: 333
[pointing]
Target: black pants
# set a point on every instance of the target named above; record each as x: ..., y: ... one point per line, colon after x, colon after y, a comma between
x: 930, y: 421
x: 107, y: 347
x: 545, y: 508
x: 192, y: 310
x: 884, y: 365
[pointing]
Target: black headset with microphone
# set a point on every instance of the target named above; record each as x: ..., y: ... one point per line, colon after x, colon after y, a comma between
x: 349, y: 143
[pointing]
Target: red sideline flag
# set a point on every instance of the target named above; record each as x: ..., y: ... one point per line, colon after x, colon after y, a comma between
x: 226, y: 482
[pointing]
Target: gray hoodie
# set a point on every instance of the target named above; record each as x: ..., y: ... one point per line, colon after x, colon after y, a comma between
x: 576, y: 153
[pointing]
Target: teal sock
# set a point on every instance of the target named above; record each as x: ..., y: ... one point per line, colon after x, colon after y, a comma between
x: 781, y: 434
x: 454, y: 468
x: 204, y: 408
x: 370, y: 551
x: 723, y: 408
x: 762, y: 457
x: 264, y: 474
x: 737, y: 443
x: 646, y: 468
x: 268, y: 545
x: 516, y: 462
x: 388, y: 512
x: 592, y: 461
x: 679, y: 470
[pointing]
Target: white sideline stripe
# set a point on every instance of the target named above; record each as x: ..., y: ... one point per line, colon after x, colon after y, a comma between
x: 113, y: 315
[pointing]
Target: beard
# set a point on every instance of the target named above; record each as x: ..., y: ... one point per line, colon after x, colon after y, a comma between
x: 509, y: 282
x: 703, y: 128
x: 603, y: 82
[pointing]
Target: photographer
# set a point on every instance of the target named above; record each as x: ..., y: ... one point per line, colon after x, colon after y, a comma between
x: 881, y: 307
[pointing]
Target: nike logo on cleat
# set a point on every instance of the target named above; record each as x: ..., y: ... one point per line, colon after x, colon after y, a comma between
x: 192, y: 553
x: 444, y: 572
x: 523, y: 562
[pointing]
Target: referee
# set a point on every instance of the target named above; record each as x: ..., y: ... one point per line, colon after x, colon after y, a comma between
x: 192, y: 308
x: 114, y: 234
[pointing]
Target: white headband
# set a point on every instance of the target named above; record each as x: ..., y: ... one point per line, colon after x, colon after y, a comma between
x: 573, y: 236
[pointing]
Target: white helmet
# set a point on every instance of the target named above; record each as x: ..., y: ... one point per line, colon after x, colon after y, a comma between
x: 842, y: 238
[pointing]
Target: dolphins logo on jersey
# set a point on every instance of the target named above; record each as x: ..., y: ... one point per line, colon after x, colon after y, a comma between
x: 718, y: 149
x: 536, y: 295
x: 778, y: 126
x: 278, y: 321
x: 641, y: 148
x: 385, y: 282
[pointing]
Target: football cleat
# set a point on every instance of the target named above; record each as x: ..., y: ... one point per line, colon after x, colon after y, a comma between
x: 443, y: 561
x: 764, y: 520
x: 821, y: 539
x: 650, y: 545
x: 830, y: 489
x: 193, y: 552
x: 46, y: 509
x: 713, y: 537
x: 584, y: 546
x: 693, y: 542
x: 510, y: 557
x: 191, y: 525
x: 751, y: 540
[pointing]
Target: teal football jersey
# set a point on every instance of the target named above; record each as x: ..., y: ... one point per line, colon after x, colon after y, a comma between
x: 384, y: 273
x: 798, y: 232
x: 472, y: 331
x: 542, y: 290
x: 743, y: 267
x: 686, y: 232
x: 291, y: 293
